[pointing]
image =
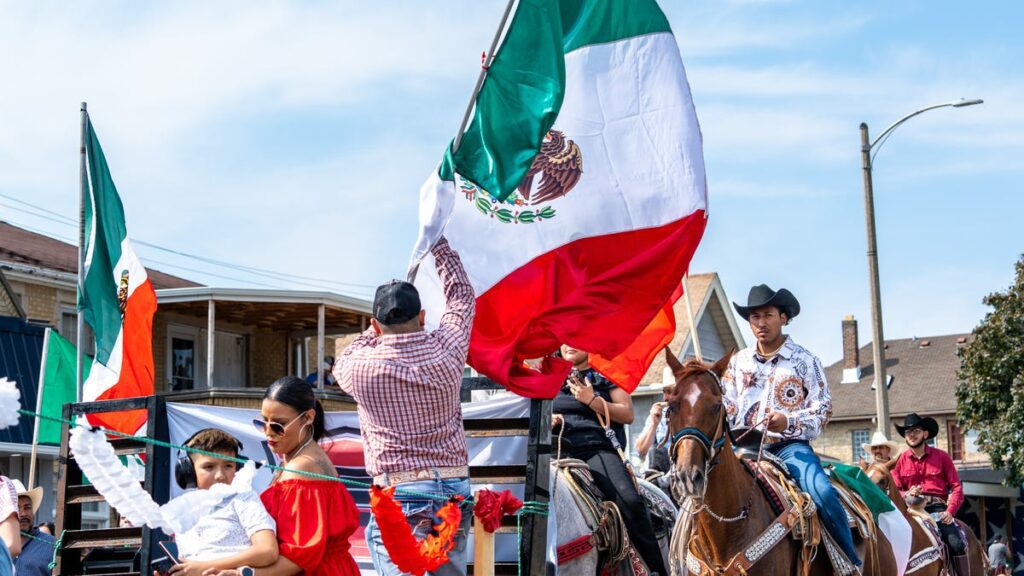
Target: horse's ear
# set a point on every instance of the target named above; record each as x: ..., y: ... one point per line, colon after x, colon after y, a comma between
x: 673, y: 362
x: 862, y: 463
x: 891, y: 464
x: 722, y: 364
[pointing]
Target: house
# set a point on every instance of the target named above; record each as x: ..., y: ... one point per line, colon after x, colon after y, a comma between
x: 217, y: 346
x: 921, y: 374
x: 717, y: 334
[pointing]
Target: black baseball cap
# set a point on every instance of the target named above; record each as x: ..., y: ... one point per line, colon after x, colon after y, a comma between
x: 396, y: 302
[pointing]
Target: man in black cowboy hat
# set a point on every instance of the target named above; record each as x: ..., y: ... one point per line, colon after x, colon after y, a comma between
x: 781, y: 385
x: 929, y: 472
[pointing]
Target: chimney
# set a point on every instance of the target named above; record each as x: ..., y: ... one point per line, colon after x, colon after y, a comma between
x: 851, y: 352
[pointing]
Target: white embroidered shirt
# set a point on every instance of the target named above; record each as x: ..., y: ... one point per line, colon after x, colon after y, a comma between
x: 228, y: 530
x: 792, y: 382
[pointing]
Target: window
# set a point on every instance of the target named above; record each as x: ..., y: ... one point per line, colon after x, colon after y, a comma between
x: 956, y: 440
x: 183, y: 363
x: 858, y: 437
x: 69, y: 329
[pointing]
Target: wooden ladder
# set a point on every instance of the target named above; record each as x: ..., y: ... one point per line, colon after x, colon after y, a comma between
x: 73, y: 491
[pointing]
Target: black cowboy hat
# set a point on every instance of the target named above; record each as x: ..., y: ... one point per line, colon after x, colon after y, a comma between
x: 913, y: 419
x: 762, y: 295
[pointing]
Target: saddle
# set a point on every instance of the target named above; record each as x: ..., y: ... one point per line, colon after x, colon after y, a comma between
x: 608, y: 535
x: 782, y: 491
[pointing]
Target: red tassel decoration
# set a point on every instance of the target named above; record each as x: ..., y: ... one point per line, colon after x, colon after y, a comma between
x: 408, y: 554
x: 489, y: 507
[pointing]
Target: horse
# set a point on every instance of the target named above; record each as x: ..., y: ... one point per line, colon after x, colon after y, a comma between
x: 930, y: 564
x: 590, y: 536
x: 734, y: 529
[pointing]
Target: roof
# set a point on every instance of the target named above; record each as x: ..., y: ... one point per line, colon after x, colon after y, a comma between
x: 707, y: 298
x: 292, y: 310
x: 923, y: 372
x: 21, y: 349
x: 20, y: 246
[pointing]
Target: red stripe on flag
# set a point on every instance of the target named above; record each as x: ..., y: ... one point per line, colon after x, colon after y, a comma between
x: 137, y: 375
x: 628, y: 368
x: 597, y: 294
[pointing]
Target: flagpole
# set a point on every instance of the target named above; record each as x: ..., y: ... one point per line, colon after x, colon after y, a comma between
x: 485, y: 65
x: 488, y: 58
x: 689, y: 317
x: 80, y: 328
x: 39, y: 410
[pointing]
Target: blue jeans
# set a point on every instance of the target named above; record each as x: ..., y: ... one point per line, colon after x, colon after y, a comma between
x: 420, y: 513
x: 805, y: 467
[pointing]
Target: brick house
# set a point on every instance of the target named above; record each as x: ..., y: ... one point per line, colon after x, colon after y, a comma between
x: 922, y: 378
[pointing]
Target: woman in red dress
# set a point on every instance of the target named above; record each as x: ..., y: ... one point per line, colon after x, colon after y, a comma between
x: 315, y: 518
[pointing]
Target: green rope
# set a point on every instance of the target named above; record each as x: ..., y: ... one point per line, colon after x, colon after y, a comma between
x: 56, y: 549
x: 538, y: 508
x: 315, y: 475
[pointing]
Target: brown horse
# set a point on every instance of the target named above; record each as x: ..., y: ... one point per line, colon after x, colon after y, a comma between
x: 881, y: 474
x: 729, y: 510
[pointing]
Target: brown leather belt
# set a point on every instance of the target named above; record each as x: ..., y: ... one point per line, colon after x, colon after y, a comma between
x: 439, y: 473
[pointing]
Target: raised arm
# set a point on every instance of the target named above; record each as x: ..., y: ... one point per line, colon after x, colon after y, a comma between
x: 646, y: 438
x: 460, y: 302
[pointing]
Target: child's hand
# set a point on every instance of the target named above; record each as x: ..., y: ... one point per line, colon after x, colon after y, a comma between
x: 189, y: 568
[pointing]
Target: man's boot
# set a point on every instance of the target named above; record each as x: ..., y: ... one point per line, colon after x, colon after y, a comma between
x: 962, y: 565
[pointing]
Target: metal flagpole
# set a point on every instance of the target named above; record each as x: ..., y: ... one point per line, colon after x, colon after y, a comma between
x: 39, y: 409
x: 80, y: 328
x: 689, y: 317
x: 488, y: 58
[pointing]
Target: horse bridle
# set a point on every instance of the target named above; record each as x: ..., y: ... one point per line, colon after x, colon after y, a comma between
x: 711, y: 445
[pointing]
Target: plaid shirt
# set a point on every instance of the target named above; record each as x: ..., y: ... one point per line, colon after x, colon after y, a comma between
x: 407, y: 386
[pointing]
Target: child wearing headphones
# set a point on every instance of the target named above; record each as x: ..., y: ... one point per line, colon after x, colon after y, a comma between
x: 239, y: 532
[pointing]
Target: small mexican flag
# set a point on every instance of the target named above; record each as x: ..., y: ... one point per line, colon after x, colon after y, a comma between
x: 890, y: 520
x: 576, y: 197
x: 117, y: 299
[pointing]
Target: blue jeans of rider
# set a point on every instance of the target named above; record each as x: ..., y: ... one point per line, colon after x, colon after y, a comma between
x: 805, y: 467
x: 420, y: 513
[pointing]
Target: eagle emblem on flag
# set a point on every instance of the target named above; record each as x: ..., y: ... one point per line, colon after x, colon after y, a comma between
x: 560, y: 165
x: 122, y: 292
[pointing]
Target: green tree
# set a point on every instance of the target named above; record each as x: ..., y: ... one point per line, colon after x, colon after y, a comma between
x: 990, y: 394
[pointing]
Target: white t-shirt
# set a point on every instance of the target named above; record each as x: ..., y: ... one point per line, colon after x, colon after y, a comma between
x: 227, y: 530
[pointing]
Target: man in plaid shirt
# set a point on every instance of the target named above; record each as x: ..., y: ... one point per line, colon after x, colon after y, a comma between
x: 406, y: 383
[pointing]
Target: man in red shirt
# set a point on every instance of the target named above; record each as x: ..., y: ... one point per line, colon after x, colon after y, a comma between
x: 924, y: 471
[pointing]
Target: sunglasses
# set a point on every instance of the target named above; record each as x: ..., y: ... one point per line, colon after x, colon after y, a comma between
x: 275, y: 427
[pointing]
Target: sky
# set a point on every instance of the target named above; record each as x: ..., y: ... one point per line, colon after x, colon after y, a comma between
x: 293, y: 138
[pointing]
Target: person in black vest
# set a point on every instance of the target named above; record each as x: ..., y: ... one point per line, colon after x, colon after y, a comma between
x: 579, y: 409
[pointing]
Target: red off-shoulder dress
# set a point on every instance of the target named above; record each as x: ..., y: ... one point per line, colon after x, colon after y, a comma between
x: 315, y: 519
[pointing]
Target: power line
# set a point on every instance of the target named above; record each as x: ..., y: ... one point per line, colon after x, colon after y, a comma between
x: 269, y: 274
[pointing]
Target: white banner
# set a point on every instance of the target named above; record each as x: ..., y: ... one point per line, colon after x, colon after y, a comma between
x: 345, y: 447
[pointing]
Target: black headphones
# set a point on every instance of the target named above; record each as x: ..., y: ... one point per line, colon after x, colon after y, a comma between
x: 185, y: 470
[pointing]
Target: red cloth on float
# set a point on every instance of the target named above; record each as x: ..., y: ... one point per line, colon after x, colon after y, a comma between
x: 315, y: 519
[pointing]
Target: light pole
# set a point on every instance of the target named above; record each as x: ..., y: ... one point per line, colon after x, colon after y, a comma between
x: 866, y: 147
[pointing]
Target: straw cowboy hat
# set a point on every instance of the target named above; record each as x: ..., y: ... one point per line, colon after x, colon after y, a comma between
x: 762, y: 295
x: 878, y: 439
x: 35, y: 494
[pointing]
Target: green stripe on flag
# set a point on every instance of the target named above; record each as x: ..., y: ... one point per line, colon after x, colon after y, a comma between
x: 855, y: 479
x: 104, y: 232
x: 522, y: 94
x: 601, y: 21
x: 58, y: 383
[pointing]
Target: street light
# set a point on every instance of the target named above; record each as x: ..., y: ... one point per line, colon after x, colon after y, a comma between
x: 866, y: 146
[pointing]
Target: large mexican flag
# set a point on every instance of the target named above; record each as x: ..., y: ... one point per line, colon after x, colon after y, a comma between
x: 576, y: 197
x: 889, y: 519
x: 117, y: 299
